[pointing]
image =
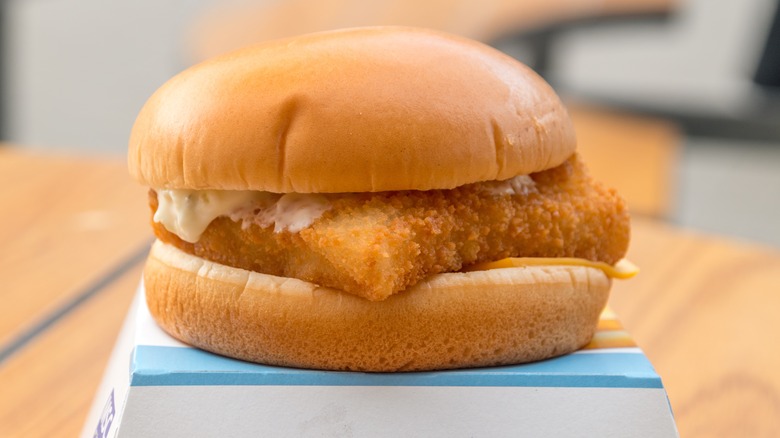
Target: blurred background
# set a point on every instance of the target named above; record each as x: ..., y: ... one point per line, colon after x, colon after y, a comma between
x: 677, y: 103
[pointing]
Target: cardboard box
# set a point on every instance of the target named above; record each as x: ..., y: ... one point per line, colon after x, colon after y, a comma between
x: 157, y: 386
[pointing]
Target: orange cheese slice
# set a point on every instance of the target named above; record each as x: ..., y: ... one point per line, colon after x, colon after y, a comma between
x: 622, y: 270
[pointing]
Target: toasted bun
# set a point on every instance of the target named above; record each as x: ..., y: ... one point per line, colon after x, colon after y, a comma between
x: 453, y: 320
x: 358, y: 110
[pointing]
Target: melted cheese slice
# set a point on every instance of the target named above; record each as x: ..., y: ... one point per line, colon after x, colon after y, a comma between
x: 622, y: 270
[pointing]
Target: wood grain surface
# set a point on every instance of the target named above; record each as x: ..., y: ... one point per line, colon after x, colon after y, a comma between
x: 48, y: 386
x: 74, y: 232
x: 63, y: 222
x: 706, y: 310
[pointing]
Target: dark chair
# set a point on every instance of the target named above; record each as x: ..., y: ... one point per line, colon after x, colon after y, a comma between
x: 756, y: 116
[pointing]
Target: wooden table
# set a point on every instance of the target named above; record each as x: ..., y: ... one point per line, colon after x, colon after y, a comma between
x: 73, y: 233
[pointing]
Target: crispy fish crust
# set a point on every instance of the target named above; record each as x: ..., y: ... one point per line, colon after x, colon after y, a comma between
x: 376, y: 244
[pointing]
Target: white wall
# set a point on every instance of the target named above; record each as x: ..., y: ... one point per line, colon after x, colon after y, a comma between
x: 79, y: 70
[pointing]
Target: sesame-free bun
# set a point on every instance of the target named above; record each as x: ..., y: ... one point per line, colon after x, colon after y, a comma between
x: 453, y: 320
x: 357, y: 110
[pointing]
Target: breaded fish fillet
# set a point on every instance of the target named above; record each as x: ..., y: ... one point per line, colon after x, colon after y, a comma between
x: 376, y: 244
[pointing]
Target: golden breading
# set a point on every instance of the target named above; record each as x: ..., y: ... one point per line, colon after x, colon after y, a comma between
x: 376, y: 244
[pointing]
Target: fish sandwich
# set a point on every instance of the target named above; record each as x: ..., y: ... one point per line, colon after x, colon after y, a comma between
x: 373, y: 199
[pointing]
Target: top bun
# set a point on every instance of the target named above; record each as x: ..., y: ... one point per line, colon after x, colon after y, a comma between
x: 356, y: 110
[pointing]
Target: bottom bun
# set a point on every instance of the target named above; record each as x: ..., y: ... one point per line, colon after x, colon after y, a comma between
x: 453, y: 320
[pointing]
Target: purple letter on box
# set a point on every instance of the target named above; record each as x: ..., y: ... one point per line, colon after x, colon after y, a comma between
x: 104, y: 425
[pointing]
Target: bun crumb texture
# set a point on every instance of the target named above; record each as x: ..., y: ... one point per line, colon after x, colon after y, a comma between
x: 357, y: 110
x: 454, y: 320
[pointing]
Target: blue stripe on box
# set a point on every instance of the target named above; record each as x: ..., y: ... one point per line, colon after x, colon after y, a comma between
x: 174, y: 366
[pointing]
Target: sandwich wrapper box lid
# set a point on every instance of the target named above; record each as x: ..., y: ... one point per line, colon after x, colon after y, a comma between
x: 155, y: 385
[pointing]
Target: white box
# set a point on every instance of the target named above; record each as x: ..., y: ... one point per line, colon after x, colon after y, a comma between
x: 156, y: 386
